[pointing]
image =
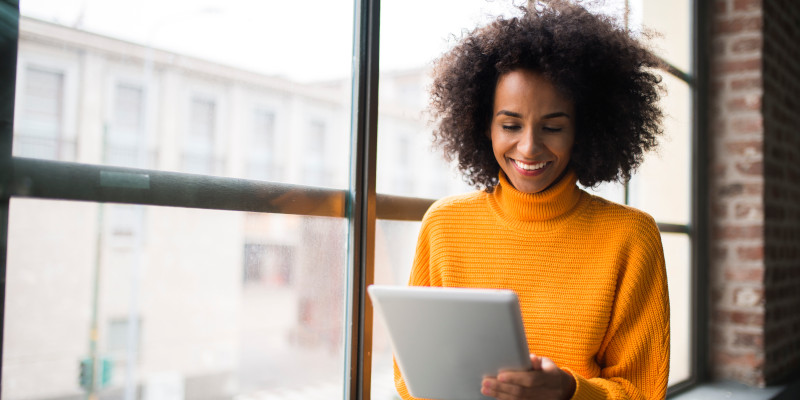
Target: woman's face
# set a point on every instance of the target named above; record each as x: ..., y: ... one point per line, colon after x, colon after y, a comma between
x: 532, y: 130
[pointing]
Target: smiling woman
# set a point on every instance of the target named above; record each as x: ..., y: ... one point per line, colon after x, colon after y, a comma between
x: 532, y: 131
x: 529, y: 106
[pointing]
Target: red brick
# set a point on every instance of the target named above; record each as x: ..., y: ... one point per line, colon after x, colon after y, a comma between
x: 752, y: 124
x: 746, y: 147
x: 739, y: 232
x: 737, y: 66
x: 748, y: 339
x: 749, y: 359
x: 749, y: 210
x: 746, y: 5
x: 754, y: 189
x: 746, y: 45
x: 733, y: 189
x: 750, y: 168
x: 750, y: 253
x: 719, y: 211
x: 739, y: 24
x: 720, y: 7
x: 746, y: 83
x: 744, y: 103
x: 755, y: 274
x: 747, y: 318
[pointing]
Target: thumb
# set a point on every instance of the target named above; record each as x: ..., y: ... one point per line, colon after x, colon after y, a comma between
x: 536, y: 362
x: 548, y: 365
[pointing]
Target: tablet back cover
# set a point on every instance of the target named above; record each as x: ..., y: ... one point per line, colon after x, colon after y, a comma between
x: 445, y: 340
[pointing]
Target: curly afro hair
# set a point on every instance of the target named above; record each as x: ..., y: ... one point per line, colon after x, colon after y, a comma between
x: 592, y: 61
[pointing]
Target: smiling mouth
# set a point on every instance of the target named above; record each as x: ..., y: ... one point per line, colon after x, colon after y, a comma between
x: 530, y: 167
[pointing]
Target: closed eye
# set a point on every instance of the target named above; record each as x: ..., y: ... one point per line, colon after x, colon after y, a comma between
x: 551, y: 129
x: 511, y: 128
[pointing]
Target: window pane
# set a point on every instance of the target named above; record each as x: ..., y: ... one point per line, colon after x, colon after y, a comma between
x: 211, y: 304
x: 613, y: 191
x: 407, y: 165
x: 672, y: 20
x: 183, y: 86
x: 662, y: 185
x: 677, y: 252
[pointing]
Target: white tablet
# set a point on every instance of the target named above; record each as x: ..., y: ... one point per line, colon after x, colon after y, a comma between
x: 445, y: 340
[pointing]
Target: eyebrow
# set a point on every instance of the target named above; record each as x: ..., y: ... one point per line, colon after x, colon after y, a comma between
x: 547, y: 116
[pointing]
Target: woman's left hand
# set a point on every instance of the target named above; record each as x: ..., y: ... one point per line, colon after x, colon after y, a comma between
x: 543, y: 381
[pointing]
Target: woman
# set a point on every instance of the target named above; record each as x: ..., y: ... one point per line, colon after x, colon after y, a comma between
x: 529, y: 106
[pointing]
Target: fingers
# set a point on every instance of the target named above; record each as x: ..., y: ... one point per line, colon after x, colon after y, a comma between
x: 542, y: 381
x: 513, y: 384
x: 503, y: 391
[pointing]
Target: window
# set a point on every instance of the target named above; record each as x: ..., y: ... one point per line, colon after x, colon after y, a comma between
x: 40, y: 132
x: 262, y: 149
x: 198, y: 154
x: 126, y: 140
x: 314, y: 154
x: 207, y: 215
x: 270, y: 265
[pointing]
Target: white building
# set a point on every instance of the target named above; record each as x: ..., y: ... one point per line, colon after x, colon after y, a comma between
x: 179, y: 313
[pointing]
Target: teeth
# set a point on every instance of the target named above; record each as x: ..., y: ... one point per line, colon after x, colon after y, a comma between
x: 530, y: 167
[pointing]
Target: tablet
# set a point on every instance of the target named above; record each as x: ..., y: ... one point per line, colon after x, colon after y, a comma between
x: 445, y: 340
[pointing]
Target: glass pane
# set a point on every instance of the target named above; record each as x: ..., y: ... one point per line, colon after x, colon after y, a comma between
x: 677, y: 253
x: 395, y: 242
x: 662, y: 186
x: 672, y: 20
x: 407, y: 164
x: 190, y: 303
x: 613, y: 191
x: 184, y: 86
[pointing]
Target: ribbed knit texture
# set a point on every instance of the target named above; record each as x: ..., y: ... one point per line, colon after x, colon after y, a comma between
x: 589, y: 274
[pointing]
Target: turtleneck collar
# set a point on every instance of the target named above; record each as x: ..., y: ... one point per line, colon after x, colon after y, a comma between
x: 550, y: 205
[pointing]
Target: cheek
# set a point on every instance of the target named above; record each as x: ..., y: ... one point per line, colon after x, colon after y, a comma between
x: 562, y: 145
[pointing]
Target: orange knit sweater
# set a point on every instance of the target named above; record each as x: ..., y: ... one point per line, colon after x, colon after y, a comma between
x: 589, y: 274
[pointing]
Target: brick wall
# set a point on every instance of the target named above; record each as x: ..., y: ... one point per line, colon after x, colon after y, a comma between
x: 755, y: 190
x: 781, y: 110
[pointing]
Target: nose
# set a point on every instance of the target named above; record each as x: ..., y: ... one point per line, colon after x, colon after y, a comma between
x: 529, y: 143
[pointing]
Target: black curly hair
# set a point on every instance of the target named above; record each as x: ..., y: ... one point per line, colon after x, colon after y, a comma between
x: 606, y: 72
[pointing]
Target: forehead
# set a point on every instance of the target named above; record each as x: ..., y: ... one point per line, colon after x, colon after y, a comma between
x: 528, y: 88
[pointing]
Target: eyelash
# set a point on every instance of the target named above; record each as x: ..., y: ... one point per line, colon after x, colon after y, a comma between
x: 514, y: 128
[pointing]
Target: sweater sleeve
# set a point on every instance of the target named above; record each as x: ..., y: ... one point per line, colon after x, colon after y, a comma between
x: 634, y: 355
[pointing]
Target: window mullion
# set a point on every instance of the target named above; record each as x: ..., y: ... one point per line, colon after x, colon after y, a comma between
x: 9, y: 38
x: 361, y: 207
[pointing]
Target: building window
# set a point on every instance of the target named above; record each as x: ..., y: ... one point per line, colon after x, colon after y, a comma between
x: 268, y: 264
x: 316, y: 171
x: 123, y: 337
x: 40, y: 129
x: 261, y: 148
x: 126, y: 143
x: 198, y: 152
